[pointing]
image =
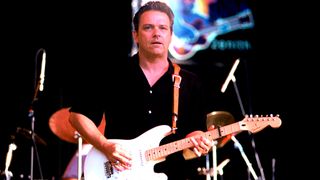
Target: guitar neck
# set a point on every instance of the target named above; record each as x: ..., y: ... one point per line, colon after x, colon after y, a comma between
x: 179, y: 145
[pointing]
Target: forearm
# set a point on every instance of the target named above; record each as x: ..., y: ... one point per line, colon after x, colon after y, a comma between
x: 87, y: 129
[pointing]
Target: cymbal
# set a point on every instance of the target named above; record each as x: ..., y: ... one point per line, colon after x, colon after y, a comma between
x: 28, y: 134
x: 220, y: 118
x: 61, y: 127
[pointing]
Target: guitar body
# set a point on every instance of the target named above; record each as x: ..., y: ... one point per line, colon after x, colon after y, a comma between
x: 142, y: 169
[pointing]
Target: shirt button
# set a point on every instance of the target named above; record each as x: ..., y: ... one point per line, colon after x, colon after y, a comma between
x: 150, y: 91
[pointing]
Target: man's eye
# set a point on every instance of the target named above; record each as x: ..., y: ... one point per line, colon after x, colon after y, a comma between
x: 147, y: 27
x: 163, y: 27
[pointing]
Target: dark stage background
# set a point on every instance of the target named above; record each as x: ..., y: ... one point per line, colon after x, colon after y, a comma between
x: 81, y: 39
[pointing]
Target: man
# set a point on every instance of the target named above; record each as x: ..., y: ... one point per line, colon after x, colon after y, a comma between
x: 138, y: 98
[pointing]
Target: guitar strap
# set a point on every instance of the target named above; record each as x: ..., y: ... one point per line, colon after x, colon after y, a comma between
x: 176, y: 78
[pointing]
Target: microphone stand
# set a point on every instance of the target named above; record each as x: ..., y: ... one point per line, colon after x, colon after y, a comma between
x: 214, y: 160
x: 34, y: 148
x: 233, y: 79
x: 39, y: 86
x: 207, y: 169
x: 31, y: 115
x: 239, y: 146
x: 78, y: 136
x: 215, y: 170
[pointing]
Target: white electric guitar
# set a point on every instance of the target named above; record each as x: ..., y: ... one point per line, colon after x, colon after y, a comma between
x: 146, y: 151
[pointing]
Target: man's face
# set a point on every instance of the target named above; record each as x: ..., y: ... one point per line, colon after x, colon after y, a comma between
x: 154, y: 33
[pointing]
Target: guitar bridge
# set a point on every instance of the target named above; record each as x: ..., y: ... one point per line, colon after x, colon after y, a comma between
x: 108, y: 169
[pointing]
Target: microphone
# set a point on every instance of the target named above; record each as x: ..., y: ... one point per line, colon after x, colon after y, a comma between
x: 43, y: 65
x: 230, y: 76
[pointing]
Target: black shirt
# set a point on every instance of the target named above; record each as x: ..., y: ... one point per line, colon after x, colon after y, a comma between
x: 132, y: 107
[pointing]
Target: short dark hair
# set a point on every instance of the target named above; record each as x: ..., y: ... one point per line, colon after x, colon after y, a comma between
x: 153, y: 5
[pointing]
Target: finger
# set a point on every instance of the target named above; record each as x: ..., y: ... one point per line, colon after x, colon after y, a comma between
x: 114, y: 163
x: 198, y: 146
x: 124, y: 156
x: 125, y: 159
x: 125, y: 163
x: 211, y: 127
x: 120, y: 166
x: 207, y: 143
x: 195, y: 143
x: 196, y: 151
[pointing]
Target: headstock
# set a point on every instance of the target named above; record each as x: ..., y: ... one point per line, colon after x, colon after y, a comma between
x: 257, y: 123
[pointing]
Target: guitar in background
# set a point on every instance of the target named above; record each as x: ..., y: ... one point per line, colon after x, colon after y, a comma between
x: 146, y: 151
x: 191, y: 38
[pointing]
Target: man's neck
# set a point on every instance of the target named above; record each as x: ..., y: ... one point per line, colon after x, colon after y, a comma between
x: 154, y: 69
